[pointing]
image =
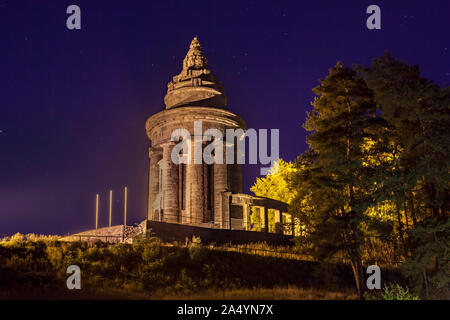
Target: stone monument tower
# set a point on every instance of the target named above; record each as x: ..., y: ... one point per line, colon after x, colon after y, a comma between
x: 195, y: 194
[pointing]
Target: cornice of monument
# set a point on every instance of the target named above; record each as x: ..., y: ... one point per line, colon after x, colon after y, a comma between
x: 187, y: 116
x: 195, y: 84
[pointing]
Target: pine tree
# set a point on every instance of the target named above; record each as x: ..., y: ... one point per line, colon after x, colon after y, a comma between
x: 417, y: 113
x: 342, y: 117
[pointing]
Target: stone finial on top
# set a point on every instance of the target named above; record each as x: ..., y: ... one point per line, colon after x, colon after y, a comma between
x: 195, y: 58
x: 195, y: 44
x: 195, y: 84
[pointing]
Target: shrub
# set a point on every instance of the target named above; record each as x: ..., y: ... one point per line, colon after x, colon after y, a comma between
x: 391, y: 291
x: 18, y: 237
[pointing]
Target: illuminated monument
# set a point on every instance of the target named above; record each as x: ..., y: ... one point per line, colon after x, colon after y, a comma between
x: 202, y: 195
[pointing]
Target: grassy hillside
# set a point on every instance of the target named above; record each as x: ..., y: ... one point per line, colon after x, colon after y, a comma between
x: 149, y: 269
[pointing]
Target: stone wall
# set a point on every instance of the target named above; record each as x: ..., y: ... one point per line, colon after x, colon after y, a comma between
x: 178, y: 232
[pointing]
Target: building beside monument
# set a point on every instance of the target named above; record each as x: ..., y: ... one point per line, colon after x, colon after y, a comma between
x: 201, y: 195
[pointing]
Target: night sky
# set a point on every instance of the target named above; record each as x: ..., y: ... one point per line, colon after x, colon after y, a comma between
x: 74, y: 103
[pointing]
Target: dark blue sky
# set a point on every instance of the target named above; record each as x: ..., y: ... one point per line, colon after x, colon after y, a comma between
x: 73, y: 103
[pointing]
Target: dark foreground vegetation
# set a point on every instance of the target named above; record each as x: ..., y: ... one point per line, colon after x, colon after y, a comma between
x: 150, y: 269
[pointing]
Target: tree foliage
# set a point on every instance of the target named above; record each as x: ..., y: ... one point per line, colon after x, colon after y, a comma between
x: 377, y: 167
x: 275, y: 185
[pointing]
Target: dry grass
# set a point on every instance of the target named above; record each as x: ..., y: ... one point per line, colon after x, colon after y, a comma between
x: 277, y: 293
x: 28, y: 237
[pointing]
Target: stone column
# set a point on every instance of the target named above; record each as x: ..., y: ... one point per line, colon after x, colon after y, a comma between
x: 205, y: 192
x: 195, y: 191
x: 220, y: 186
x: 266, y: 219
x: 153, y: 182
x: 293, y: 225
x: 245, y: 217
x: 277, y: 220
x: 226, y: 209
x: 262, y: 218
x: 235, y: 177
x: 170, y: 186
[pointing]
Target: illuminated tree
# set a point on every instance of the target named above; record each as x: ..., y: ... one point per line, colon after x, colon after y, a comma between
x: 275, y: 185
x: 417, y: 113
x: 343, y: 116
